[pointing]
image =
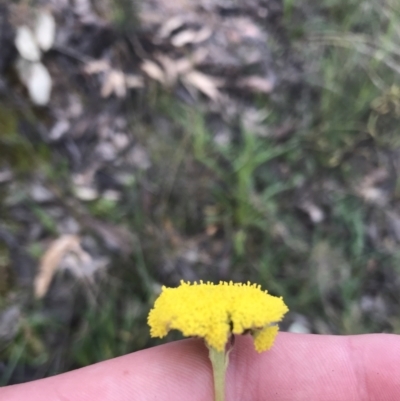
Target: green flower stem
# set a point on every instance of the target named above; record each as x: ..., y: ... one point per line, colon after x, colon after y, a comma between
x: 219, y: 362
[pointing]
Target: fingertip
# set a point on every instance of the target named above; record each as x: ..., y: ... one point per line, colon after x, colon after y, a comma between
x: 376, y: 359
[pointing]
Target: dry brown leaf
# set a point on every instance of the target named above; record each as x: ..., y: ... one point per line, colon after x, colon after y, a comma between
x: 51, y: 260
x: 86, y: 193
x: 375, y: 177
x: 370, y: 189
x: 256, y: 84
x: 96, y: 66
x: 204, y: 83
x: 170, y: 68
x: 211, y: 230
x: 373, y: 195
x: 191, y: 36
x: 133, y: 81
x: 315, y: 213
x: 202, y: 35
x: 198, y: 56
x: 114, y: 82
x: 184, y: 38
x: 248, y: 28
x: 153, y: 71
x: 170, y: 25
x: 186, y: 64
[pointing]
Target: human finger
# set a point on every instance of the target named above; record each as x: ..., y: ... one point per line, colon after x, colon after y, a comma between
x: 298, y: 367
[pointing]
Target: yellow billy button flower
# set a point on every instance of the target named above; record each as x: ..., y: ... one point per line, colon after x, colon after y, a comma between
x: 215, y: 312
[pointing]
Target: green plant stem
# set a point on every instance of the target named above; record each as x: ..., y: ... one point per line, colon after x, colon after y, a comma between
x: 219, y: 362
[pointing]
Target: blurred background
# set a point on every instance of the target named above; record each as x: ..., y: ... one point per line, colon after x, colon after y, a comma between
x: 144, y: 142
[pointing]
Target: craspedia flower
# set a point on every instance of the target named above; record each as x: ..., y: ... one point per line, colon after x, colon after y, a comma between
x: 215, y: 311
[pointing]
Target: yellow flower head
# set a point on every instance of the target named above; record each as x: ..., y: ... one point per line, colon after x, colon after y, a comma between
x: 214, y: 311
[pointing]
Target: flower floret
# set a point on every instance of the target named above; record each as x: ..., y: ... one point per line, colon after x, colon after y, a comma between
x: 264, y: 338
x: 214, y: 311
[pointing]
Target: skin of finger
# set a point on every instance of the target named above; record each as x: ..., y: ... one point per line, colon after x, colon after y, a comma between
x: 316, y: 368
x: 298, y: 367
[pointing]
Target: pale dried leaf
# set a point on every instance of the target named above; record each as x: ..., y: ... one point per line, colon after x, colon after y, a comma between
x: 203, y: 35
x: 40, y: 84
x: 184, y: 38
x: 191, y: 36
x: 170, y: 25
x: 51, y: 260
x: 373, y: 195
x: 59, y: 129
x: 170, y: 69
x: 45, y: 30
x: 248, y: 28
x: 184, y: 65
x: 150, y: 18
x: 37, y: 79
x: 133, y: 81
x: 315, y: 213
x: 375, y: 177
x: 199, y: 55
x: 96, y: 66
x: 256, y: 84
x: 369, y: 188
x: 26, y: 44
x: 86, y: 193
x: 153, y: 71
x: 120, y: 140
x: 112, y: 195
x: 114, y: 82
x: 204, y: 83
